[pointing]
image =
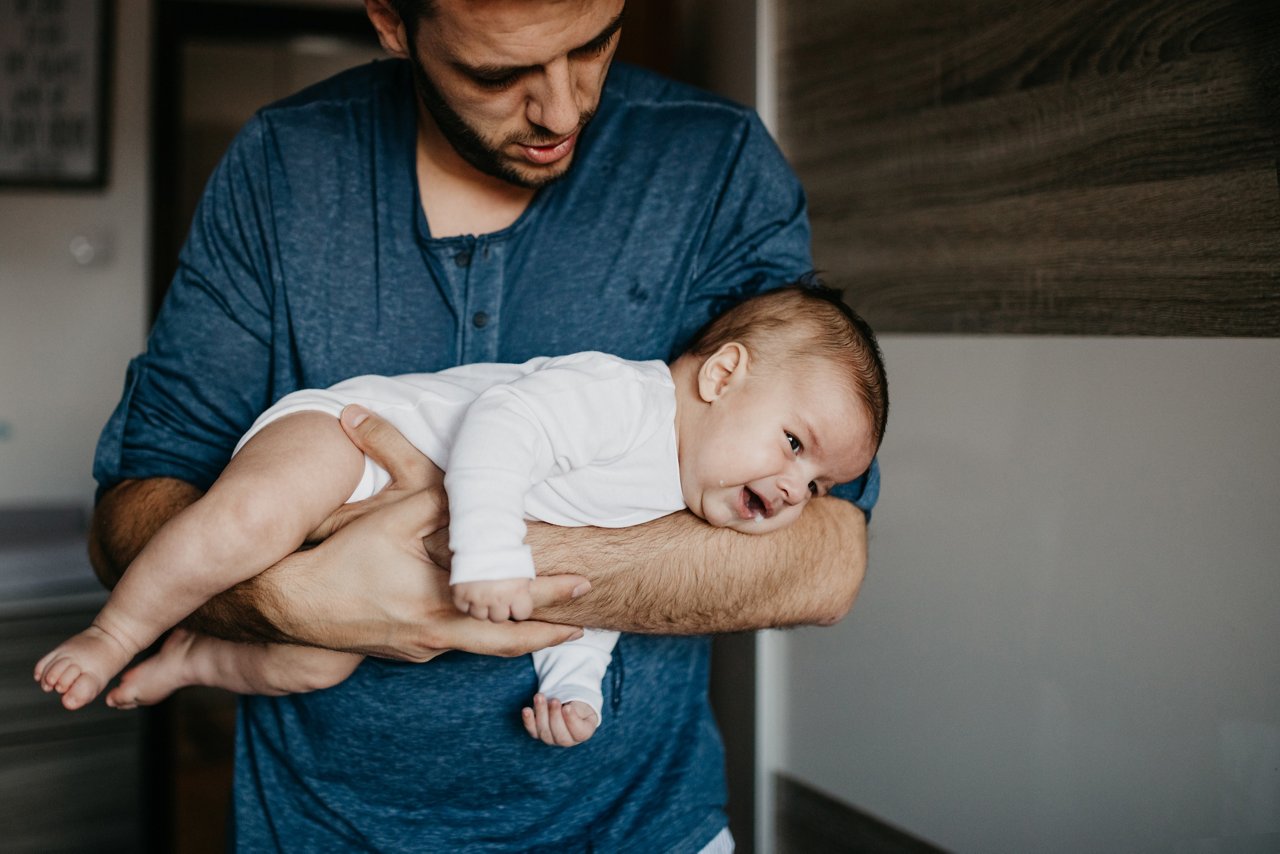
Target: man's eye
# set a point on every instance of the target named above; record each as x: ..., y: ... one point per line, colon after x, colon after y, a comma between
x: 596, y: 48
x: 495, y: 82
x: 813, y: 488
x: 794, y: 442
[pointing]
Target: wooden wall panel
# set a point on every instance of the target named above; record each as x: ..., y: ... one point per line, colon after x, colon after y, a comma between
x: 1077, y: 167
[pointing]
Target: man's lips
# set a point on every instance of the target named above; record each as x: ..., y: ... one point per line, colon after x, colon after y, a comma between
x: 545, y: 155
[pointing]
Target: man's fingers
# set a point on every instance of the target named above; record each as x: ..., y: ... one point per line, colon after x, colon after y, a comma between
x: 409, y: 468
x: 412, y: 473
x: 415, y: 515
x: 511, y: 639
x: 556, y: 589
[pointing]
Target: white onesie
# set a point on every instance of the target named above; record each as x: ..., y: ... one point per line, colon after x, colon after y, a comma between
x: 585, y: 439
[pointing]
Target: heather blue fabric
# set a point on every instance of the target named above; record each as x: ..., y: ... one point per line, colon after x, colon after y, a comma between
x: 309, y: 261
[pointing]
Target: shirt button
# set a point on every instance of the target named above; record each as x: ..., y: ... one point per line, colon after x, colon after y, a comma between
x: 462, y: 259
x: 480, y: 319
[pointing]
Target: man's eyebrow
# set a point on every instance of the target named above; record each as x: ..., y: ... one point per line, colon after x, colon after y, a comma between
x: 499, y: 71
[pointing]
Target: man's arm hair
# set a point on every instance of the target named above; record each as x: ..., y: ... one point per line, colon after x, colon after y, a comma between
x: 679, y: 575
x: 127, y: 517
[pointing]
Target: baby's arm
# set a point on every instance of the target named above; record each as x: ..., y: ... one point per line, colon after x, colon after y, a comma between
x: 567, y: 708
x: 282, y: 484
x: 498, y: 454
x: 573, y: 412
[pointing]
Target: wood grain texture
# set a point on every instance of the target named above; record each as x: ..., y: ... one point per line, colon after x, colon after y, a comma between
x: 1081, y: 167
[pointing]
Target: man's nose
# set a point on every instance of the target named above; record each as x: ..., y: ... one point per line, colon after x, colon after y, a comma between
x: 552, y: 105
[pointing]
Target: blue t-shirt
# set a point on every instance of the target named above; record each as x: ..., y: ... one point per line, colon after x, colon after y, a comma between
x: 310, y: 260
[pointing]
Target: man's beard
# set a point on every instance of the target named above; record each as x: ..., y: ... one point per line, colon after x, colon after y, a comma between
x: 472, y: 147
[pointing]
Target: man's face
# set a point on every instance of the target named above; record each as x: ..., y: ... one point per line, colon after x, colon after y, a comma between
x: 769, y: 443
x: 511, y: 83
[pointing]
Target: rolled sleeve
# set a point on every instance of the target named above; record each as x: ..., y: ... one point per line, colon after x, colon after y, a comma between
x: 206, y: 371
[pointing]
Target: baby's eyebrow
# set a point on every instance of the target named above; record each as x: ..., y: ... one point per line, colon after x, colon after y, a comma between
x: 814, y: 444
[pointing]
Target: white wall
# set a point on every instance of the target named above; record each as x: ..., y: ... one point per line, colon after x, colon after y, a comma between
x: 1069, y: 636
x: 67, y: 331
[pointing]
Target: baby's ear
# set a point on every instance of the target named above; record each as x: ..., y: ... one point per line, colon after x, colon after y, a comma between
x: 721, y: 371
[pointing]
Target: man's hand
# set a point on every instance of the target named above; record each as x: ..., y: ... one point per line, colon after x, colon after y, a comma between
x: 410, y: 470
x: 372, y: 576
x: 370, y: 588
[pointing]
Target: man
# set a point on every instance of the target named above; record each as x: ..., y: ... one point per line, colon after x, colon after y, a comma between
x: 499, y: 195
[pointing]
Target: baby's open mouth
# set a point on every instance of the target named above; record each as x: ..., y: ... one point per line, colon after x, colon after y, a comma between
x: 754, y: 505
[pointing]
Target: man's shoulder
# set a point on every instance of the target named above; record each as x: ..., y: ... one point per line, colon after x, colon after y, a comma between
x: 633, y: 89
x: 330, y: 127
x: 348, y: 97
x: 660, y: 132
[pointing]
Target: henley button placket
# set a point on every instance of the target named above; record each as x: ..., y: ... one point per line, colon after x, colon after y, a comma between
x: 482, y: 264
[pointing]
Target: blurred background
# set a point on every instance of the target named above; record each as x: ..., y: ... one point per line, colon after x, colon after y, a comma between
x: 1064, y: 219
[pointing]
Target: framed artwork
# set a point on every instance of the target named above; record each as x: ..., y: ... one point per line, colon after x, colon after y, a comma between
x: 53, y: 92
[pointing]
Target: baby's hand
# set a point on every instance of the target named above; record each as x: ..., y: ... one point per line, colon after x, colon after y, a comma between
x: 559, y: 725
x: 496, y: 601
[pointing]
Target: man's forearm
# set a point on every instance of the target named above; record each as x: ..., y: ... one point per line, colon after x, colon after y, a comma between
x: 128, y: 516
x: 679, y: 575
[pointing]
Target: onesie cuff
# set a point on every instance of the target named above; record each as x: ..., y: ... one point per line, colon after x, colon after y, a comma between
x: 492, y: 566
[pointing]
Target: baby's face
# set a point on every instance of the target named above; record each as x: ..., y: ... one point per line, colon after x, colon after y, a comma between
x: 770, y: 443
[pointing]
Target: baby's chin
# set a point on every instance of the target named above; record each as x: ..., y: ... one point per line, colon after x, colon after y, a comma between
x: 757, y: 525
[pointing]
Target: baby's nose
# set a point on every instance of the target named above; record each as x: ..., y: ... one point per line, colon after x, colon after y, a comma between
x: 792, y: 491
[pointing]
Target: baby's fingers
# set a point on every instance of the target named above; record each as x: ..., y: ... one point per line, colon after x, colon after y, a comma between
x: 542, y: 721
x: 559, y: 729
x: 530, y: 723
x: 581, y: 720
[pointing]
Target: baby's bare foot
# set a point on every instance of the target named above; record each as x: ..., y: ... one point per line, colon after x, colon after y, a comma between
x: 557, y: 724
x: 80, y: 667
x: 156, y: 678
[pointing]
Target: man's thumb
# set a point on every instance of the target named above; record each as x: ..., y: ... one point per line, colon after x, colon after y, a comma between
x: 556, y: 589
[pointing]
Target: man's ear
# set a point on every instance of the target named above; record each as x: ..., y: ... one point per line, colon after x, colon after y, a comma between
x: 391, y: 30
x: 724, y: 369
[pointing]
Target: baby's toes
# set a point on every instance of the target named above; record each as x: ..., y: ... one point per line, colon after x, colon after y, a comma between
x: 81, y: 691
x: 43, y: 664
x: 53, y: 672
x: 123, y: 696
x: 67, y: 675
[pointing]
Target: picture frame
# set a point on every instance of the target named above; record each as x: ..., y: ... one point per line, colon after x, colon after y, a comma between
x: 54, y: 90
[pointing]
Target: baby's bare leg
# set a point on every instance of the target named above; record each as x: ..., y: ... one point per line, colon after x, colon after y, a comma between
x: 270, y: 670
x: 280, y: 486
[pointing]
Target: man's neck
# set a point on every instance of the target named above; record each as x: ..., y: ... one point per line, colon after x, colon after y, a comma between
x: 457, y: 198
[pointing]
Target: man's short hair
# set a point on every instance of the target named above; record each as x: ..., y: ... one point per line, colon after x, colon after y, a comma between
x: 805, y: 321
x: 412, y: 11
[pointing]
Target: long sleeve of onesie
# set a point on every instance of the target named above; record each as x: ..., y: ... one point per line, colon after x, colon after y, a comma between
x: 586, y: 440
